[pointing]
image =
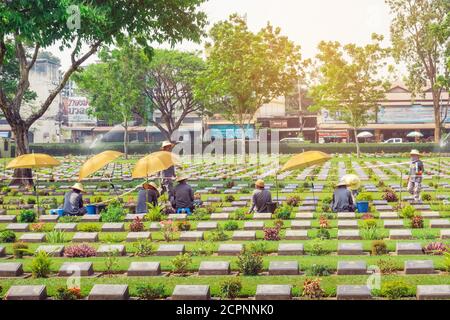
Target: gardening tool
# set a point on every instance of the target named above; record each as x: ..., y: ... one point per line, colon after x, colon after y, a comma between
x: 33, y: 161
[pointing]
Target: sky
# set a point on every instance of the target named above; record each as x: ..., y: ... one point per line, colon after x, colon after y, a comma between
x: 306, y: 22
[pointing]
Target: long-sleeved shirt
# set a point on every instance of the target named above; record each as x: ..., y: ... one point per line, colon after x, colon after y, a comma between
x: 260, y: 199
x: 73, y: 202
x: 169, y: 173
x: 144, y: 196
x: 416, y: 170
x: 342, y: 200
x: 183, y: 196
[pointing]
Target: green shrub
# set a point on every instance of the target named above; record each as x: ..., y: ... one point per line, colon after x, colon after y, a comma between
x: 387, y: 266
x: 88, y: 227
x: 40, y: 265
x: 114, y: 213
x: 284, y: 212
x: 396, y: 289
x: 370, y: 234
x: 55, y: 236
x: 183, y: 225
x: 250, y: 264
x: 218, y: 235
x: 69, y: 219
x: 323, y: 234
x: 230, y: 288
x: 378, y: 248
x: 143, y: 248
x: 19, y: 250
x: 364, y: 196
x: 181, y: 263
x: 154, y: 213
x: 317, y: 248
x: 200, y: 214
x: 408, y: 212
x: 7, y: 236
x: 426, y: 197
x: 150, y: 292
x: 318, y: 270
x: 240, y: 214
x: 259, y: 247
x: 231, y: 226
x: 369, y: 223
x: 26, y: 216
x: 447, y: 261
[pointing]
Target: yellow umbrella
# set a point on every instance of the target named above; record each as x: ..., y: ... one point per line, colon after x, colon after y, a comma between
x: 32, y: 161
x: 352, y: 180
x: 97, y: 162
x: 153, y: 163
x: 305, y: 159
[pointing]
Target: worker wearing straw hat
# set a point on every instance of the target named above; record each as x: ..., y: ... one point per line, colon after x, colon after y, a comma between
x: 342, y: 199
x: 416, y: 170
x: 168, y: 175
x: 261, y: 198
x: 73, y: 201
x: 183, y: 196
x: 148, y: 193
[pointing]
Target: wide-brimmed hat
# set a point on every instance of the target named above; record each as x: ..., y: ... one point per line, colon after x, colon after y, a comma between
x: 341, y: 183
x: 181, y: 178
x: 153, y: 185
x: 166, y: 144
x: 78, y: 186
x: 259, y: 183
x: 414, y: 152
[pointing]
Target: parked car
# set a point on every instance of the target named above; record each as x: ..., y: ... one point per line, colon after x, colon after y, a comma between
x: 394, y: 140
x: 293, y: 140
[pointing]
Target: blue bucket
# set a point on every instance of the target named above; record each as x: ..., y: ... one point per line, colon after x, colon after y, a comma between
x: 59, y: 212
x: 91, y: 209
x: 362, y: 206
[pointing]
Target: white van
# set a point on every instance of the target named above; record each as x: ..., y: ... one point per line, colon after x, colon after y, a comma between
x: 394, y: 140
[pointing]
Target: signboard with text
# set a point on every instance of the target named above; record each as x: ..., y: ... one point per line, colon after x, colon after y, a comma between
x: 76, y: 110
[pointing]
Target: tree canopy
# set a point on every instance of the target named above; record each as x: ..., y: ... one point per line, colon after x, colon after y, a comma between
x: 351, y: 82
x: 245, y: 69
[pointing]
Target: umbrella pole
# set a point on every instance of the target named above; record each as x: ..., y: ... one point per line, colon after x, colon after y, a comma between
x: 36, y: 191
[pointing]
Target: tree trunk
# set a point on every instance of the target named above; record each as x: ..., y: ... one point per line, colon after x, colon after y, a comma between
x: 21, y: 176
x: 358, y: 152
x: 125, y: 139
x: 437, y: 117
x: 243, y: 143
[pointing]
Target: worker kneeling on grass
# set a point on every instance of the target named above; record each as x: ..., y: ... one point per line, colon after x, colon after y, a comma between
x: 261, y: 199
x: 73, y: 201
x: 342, y: 199
x: 183, y: 196
x: 147, y: 194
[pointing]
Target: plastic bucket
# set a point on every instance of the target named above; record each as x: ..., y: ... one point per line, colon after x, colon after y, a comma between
x: 60, y: 212
x: 362, y: 206
x: 91, y: 209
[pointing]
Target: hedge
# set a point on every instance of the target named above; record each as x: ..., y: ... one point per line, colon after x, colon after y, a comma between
x: 286, y: 148
x: 365, y: 147
x: 62, y: 149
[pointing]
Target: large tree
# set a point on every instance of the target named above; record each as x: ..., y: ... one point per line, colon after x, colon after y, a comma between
x: 170, y: 79
x: 114, y: 86
x: 350, y: 81
x: 246, y: 70
x: 422, y: 49
x: 81, y: 26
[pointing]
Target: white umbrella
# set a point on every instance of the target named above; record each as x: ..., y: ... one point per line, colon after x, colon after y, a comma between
x: 415, y: 134
x: 365, y: 134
